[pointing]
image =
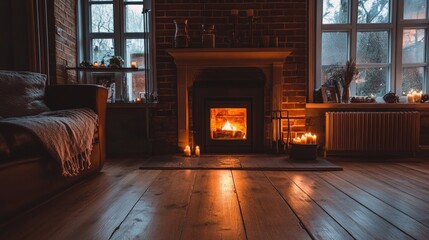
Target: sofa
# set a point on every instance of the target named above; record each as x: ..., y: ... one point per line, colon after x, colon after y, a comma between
x: 29, y: 174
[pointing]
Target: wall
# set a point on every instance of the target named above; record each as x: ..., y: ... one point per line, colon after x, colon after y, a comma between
x: 285, y: 19
x: 62, y: 32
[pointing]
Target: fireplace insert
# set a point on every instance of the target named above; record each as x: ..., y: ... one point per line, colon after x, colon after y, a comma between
x: 228, y: 116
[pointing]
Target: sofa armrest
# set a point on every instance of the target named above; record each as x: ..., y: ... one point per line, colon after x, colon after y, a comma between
x: 81, y: 96
x: 76, y: 96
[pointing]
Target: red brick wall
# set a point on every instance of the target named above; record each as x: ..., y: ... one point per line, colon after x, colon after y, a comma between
x: 285, y: 19
x: 64, y: 30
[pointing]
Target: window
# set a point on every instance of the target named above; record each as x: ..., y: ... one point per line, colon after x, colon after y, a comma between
x: 120, y: 28
x: 388, y: 39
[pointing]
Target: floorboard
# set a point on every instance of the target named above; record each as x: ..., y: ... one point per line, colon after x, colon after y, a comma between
x: 392, y: 215
x: 353, y: 216
x: 265, y: 213
x: 213, y: 211
x: 160, y: 213
x: 368, y: 200
x: 408, y: 204
x: 318, y: 223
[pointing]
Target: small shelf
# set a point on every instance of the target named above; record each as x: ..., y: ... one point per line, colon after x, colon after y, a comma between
x: 367, y: 106
x: 105, y: 69
x: 131, y: 105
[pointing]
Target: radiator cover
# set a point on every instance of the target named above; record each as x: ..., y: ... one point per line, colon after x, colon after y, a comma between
x: 372, y: 132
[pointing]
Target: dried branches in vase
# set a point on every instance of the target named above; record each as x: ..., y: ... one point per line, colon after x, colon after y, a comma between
x: 343, y: 75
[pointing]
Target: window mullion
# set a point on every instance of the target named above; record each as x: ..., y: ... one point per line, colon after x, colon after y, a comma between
x: 118, y: 41
x: 353, y: 32
x: 398, y: 20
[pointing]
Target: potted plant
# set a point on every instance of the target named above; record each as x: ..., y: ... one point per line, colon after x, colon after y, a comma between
x: 116, y: 62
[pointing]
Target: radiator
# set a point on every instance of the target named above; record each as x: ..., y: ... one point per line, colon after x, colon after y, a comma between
x: 381, y: 132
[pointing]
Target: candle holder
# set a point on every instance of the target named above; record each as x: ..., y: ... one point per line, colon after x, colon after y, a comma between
x: 300, y: 151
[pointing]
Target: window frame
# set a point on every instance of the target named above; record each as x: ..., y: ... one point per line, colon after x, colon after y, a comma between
x: 395, y: 29
x: 119, y: 35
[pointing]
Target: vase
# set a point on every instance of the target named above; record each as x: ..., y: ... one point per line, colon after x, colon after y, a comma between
x: 208, y: 38
x: 181, y: 36
x: 345, y: 96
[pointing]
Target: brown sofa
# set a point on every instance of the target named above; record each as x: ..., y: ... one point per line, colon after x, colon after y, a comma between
x: 28, y: 175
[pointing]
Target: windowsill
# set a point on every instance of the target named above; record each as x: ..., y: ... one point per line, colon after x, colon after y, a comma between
x: 367, y: 105
x: 131, y: 105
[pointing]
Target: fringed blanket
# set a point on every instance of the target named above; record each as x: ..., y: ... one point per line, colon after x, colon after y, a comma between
x: 66, y: 134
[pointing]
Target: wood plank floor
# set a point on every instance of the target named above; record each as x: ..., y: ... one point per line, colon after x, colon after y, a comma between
x: 368, y: 200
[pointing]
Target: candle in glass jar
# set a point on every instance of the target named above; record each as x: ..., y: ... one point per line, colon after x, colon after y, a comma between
x: 138, y: 100
x: 249, y: 12
x: 95, y: 64
x: 133, y: 64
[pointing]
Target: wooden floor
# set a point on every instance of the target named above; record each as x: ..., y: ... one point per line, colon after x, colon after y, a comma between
x: 367, y: 200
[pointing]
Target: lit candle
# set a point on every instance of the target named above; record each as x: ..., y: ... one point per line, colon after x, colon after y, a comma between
x: 138, y: 100
x: 133, y: 64
x: 410, y: 98
x: 314, y: 139
x: 303, y: 140
x: 187, y: 151
x: 95, y: 64
x: 197, y: 151
x: 234, y: 12
x: 249, y: 12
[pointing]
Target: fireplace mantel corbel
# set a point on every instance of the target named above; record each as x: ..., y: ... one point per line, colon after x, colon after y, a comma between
x: 191, y: 60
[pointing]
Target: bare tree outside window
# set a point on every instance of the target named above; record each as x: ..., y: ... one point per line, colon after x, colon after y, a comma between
x: 102, y: 18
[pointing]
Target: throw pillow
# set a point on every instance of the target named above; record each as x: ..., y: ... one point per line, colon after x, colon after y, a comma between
x: 22, y: 93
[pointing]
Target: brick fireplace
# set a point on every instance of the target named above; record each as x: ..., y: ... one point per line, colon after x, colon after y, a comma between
x: 241, y: 71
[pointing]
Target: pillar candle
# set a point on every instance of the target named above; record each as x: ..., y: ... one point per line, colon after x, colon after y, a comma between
x: 197, y: 151
x: 187, y: 151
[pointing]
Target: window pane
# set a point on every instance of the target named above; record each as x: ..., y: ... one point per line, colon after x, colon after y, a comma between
x: 412, y: 79
x: 136, y: 81
x: 372, y: 82
x: 413, y: 46
x: 335, y: 12
x: 334, y: 48
x: 102, y: 18
x: 134, y: 47
x: 373, y: 47
x: 134, y: 18
x: 133, y: 0
x: 374, y: 11
x: 102, y: 49
x: 415, y: 9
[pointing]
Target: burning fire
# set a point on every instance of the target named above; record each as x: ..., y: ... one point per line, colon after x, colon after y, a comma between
x: 228, y: 127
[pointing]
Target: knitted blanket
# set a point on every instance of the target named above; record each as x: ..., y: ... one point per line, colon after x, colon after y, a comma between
x: 66, y: 134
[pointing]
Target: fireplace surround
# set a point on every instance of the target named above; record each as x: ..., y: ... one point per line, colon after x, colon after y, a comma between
x: 228, y: 110
x: 191, y: 62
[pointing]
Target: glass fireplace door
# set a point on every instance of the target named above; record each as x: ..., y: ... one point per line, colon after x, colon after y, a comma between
x: 228, y: 124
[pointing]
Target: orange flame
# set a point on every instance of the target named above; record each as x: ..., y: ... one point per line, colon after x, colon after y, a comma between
x: 228, y: 127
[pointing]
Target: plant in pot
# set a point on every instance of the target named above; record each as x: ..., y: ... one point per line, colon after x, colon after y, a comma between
x: 116, y: 62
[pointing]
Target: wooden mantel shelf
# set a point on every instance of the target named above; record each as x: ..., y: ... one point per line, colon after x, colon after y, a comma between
x: 229, y: 55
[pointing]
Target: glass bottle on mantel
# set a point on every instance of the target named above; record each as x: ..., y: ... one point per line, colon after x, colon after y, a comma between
x: 208, y: 37
x: 181, y: 37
